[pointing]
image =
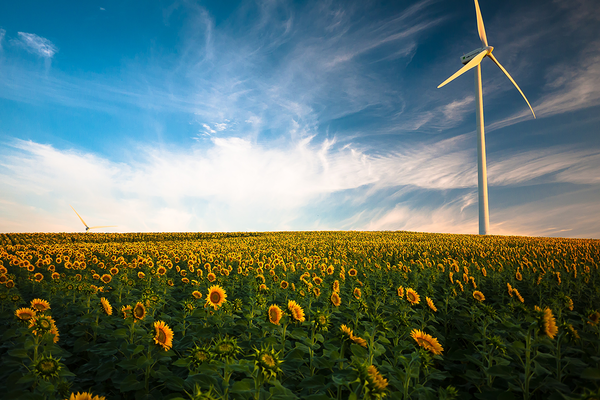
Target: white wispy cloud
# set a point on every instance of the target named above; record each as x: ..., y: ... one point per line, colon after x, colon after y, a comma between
x: 37, y: 45
x: 239, y: 185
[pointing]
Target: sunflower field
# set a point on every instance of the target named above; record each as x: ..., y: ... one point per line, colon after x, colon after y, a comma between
x: 298, y: 315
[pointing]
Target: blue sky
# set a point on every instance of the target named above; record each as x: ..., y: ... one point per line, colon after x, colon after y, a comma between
x: 278, y: 115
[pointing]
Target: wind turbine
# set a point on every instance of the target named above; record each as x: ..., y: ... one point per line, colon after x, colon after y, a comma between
x: 87, y: 228
x: 471, y: 60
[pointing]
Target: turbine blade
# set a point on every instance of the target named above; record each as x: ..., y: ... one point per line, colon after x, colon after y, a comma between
x: 471, y: 64
x: 105, y: 226
x: 513, y: 81
x: 480, y: 27
x: 78, y: 216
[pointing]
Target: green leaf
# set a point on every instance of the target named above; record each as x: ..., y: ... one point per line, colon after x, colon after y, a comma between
x: 128, y: 364
x: 591, y: 373
x: 245, y: 385
x: 182, y: 362
x: 503, y: 371
x: 20, y: 353
x: 358, y: 351
x: 138, y: 349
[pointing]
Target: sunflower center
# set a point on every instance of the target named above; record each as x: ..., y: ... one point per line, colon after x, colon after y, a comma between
x: 47, y: 366
x: 215, y: 297
x: 161, y: 336
x: 45, y: 324
x: 268, y: 360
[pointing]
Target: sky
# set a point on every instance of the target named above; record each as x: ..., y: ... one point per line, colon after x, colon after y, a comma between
x: 270, y: 115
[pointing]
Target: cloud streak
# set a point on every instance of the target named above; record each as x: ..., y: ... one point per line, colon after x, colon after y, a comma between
x: 37, y: 45
x: 238, y: 185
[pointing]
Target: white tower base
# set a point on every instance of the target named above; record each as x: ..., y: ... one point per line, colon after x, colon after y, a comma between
x: 484, y: 214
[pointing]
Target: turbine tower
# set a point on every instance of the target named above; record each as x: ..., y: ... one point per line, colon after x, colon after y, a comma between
x: 473, y: 60
x: 87, y: 228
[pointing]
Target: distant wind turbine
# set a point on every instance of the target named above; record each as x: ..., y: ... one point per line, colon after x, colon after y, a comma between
x: 472, y: 60
x: 87, y: 228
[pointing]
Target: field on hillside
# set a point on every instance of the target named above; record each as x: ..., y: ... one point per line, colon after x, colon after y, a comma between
x: 310, y: 315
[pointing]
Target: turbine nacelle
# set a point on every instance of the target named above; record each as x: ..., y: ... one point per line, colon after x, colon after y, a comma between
x: 471, y: 55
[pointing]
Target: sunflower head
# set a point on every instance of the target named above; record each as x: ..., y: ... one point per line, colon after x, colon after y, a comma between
x: 197, y: 295
x: 25, y: 314
x: 47, y: 367
x: 85, y: 396
x: 594, y: 318
x: 430, y: 304
x: 296, y: 310
x: 268, y: 362
x: 375, y: 383
x: 546, y: 321
x: 477, y: 295
x: 274, y: 314
x: 412, y: 296
x: 106, y: 307
x: 356, y: 293
x: 40, y: 305
x: 226, y: 348
x: 126, y: 311
x: 139, y: 311
x: 321, y: 321
x: 427, y: 341
x: 163, y: 335
x: 199, y: 355
x: 216, y: 296
x: 347, y: 333
x: 400, y: 291
x: 335, y: 299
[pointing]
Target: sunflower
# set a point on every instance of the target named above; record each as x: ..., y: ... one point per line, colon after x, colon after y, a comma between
x: 126, y: 310
x: 330, y: 270
x: 359, y: 341
x: 199, y: 355
x: 216, y: 296
x: 356, y: 293
x: 516, y: 293
x: 274, y: 314
x: 316, y: 291
x: 47, y: 367
x: 43, y: 324
x: 346, y: 332
x: 430, y: 304
x: 106, y: 306
x: 38, y: 277
x: 400, y: 291
x: 510, y: 289
x: 412, y: 296
x: 85, y: 396
x: 141, y: 275
x: 197, y: 294
x: 163, y: 335
x: 570, y: 303
x: 106, y: 278
x: 518, y: 276
x: 594, y: 318
x: 268, y: 361
x: 226, y: 348
x: 478, y: 295
x: 114, y: 270
x: 139, y: 311
x: 317, y: 280
x: 161, y: 271
x: 40, y: 305
x: 335, y: 299
x: 25, y: 314
x: 548, y: 322
x: 336, y: 286
x: 377, y: 382
x: 55, y: 275
x: 296, y: 310
x: 211, y: 277
x: 352, y: 272
x: 427, y: 341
